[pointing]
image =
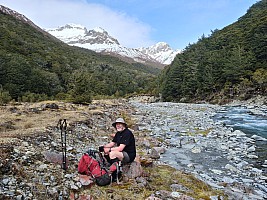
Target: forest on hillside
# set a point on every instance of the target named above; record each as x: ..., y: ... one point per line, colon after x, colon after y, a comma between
x: 230, y: 63
x: 36, y: 66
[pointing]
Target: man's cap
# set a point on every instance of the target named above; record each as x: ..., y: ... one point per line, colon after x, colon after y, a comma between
x: 119, y: 120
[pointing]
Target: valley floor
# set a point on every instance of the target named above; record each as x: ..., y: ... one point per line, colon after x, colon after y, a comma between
x: 30, y: 146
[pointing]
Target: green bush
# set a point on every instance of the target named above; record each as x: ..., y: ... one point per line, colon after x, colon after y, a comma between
x: 81, y: 99
x: 62, y: 96
x: 32, y: 97
x: 4, y: 96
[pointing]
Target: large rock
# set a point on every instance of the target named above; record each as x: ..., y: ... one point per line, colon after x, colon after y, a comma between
x: 53, y: 157
x: 154, y: 154
x: 156, y: 151
x: 132, y: 170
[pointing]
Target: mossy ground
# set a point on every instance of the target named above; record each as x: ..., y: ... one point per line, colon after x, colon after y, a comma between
x: 160, y: 178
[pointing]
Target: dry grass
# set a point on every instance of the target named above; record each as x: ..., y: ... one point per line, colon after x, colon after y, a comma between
x: 29, y: 118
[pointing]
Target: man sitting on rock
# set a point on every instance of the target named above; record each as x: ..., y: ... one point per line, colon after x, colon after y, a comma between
x: 122, y: 148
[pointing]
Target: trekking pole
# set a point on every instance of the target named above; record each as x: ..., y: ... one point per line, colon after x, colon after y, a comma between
x: 63, y: 133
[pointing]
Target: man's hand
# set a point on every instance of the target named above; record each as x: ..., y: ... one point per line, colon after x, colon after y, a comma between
x: 107, y: 150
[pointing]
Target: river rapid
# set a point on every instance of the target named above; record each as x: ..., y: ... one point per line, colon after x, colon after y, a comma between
x: 252, y: 120
x: 246, y: 119
x: 200, y: 139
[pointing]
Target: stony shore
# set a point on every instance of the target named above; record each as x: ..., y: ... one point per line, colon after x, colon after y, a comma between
x: 180, y: 135
x: 214, y: 153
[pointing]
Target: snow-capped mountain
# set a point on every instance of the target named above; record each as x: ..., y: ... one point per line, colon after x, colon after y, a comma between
x: 161, y: 52
x: 78, y: 35
x: 99, y: 40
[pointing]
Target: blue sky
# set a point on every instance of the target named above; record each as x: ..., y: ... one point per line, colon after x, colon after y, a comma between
x: 137, y: 23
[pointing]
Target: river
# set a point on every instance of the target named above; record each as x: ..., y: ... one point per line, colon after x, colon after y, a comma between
x: 241, y: 118
x: 249, y: 122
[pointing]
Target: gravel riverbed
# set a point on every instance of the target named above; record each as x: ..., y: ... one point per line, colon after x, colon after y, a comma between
x: 195, y: 143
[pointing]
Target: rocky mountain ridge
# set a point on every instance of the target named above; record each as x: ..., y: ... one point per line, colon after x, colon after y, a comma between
x: 99, y: 40
x: 20, y: 17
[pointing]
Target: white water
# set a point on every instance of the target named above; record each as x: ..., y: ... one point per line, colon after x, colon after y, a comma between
x: 243, y: 119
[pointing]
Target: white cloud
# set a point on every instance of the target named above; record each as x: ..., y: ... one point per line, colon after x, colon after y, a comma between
x: 130, y: 31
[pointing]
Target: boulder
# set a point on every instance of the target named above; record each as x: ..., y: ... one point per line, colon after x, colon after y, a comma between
x: 132, y: 170
x: 156, y: 151
x: 154, y: 154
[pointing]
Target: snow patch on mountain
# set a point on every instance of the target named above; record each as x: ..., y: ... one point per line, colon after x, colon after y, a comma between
x: 99, y: 40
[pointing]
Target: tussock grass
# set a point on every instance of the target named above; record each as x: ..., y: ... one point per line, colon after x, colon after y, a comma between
x: 200, y: 132
x: 163, y: 176
x: 29, y: 118
x: 130, y: 121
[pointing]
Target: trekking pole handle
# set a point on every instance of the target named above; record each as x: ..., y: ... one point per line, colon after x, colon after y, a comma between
x: 62, y: 124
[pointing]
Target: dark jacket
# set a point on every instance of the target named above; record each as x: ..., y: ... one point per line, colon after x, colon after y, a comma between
x: 126, y: 137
